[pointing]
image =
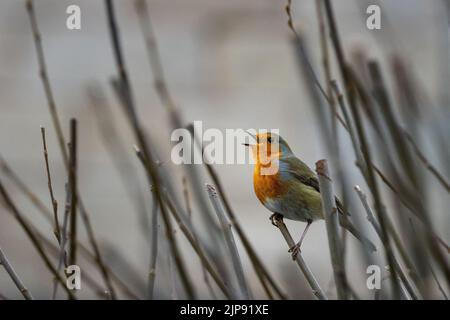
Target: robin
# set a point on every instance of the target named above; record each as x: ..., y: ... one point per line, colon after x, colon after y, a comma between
x: 289, y: 188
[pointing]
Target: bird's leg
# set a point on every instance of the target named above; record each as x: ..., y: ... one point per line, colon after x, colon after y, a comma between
x: 295, y: 250
x: 274, y: 217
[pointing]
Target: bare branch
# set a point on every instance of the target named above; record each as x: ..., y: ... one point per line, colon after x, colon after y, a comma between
x: 63, y: 239
x: 124, y: 92
x: 47, y: 214
x: 31, y: 235
x: 330, y: 213
x: 46, y: 81
x: 401, y: 274
x: 317, y: 290
x: 231, y: 244
x: 56, y: 230
x: 73, y: 194
x: 15, y: 278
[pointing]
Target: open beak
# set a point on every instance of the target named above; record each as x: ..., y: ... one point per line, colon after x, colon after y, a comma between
x: 251, y: 135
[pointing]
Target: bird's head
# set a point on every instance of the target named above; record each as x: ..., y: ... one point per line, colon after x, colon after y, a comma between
x: 268, y: 146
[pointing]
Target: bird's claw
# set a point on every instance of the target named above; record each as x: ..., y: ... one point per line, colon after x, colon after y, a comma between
x: 295, y: 250
x: 276, y: 217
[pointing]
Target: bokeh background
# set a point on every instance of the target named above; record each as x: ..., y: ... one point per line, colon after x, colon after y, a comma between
x: 230, y: 64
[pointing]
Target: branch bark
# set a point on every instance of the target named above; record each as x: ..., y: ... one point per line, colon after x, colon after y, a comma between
x: 15, y: 278
x: 330, y: 213
x: 229, y: 239
x: 317, y: 290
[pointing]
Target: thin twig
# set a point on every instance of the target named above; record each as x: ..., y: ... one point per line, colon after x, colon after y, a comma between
x: 347, y: 125
x: 19, y: 184
x: 73, y: 195
x: 326, y: 63
x: 15, y: 278
x: 433, y: 274
x: 59, y: 132
x: 336, y: 235
x: 371, y: 218
x: 413, y: 187
x: 426, y: 162
x: 47, y: 214
x: 118, y: 152
x: 308, y: 64
x: 31, y: 235
x: 62, y: 245
x: 104, y: 270
x: 167, y: 100
x: 155, y: 62
x: 186, y: 198
x: 74, y: 201
x: 231, y: 244
x: 54, y: 250
x: 189, y: 235
x: 153, y: 249
x: 45, y: 80
x: 176, y: 120
x: 368, y: 171
x: 123, y: 89
x: 193, y: 240
x: 56, y: 229
x: 349, y: 128
x: 410, y: 94
x: 189, y: 216
x: 317, y: 290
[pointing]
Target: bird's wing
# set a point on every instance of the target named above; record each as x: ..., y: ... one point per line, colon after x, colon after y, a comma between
x: 300, y: 171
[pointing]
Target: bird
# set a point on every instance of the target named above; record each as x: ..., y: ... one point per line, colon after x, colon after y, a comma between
x: 287, y: 187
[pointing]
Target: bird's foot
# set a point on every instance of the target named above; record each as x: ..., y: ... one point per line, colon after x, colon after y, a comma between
x: 295, y: 250
x: 274, y: 218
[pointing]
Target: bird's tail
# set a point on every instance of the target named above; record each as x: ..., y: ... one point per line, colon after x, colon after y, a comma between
x: 350, y: 227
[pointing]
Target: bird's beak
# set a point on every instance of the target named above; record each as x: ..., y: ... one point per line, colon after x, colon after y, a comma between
x: 251, y: 135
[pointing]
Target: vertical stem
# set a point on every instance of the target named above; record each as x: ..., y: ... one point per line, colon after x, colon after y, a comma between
x: 176, y: 121
x: 196, y: 245
x: 73, y: 188
x: 59, y: 132
x: 124, y: 91
x: 56, y: 229
x: 366, y: 152
x: 189, y: 218
x: 62, y: 244
x: 231, y: 244
x: 153, y: 249
x: 330, y: 213
x: 167, y: 100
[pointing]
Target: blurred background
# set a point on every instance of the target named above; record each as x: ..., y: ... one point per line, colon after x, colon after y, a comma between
x: 230, y: 64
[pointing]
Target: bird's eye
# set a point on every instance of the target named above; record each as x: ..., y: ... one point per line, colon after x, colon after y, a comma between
x: 269, y: 140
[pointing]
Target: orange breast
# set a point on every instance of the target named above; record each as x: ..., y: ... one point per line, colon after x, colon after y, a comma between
x: 267, y: 186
